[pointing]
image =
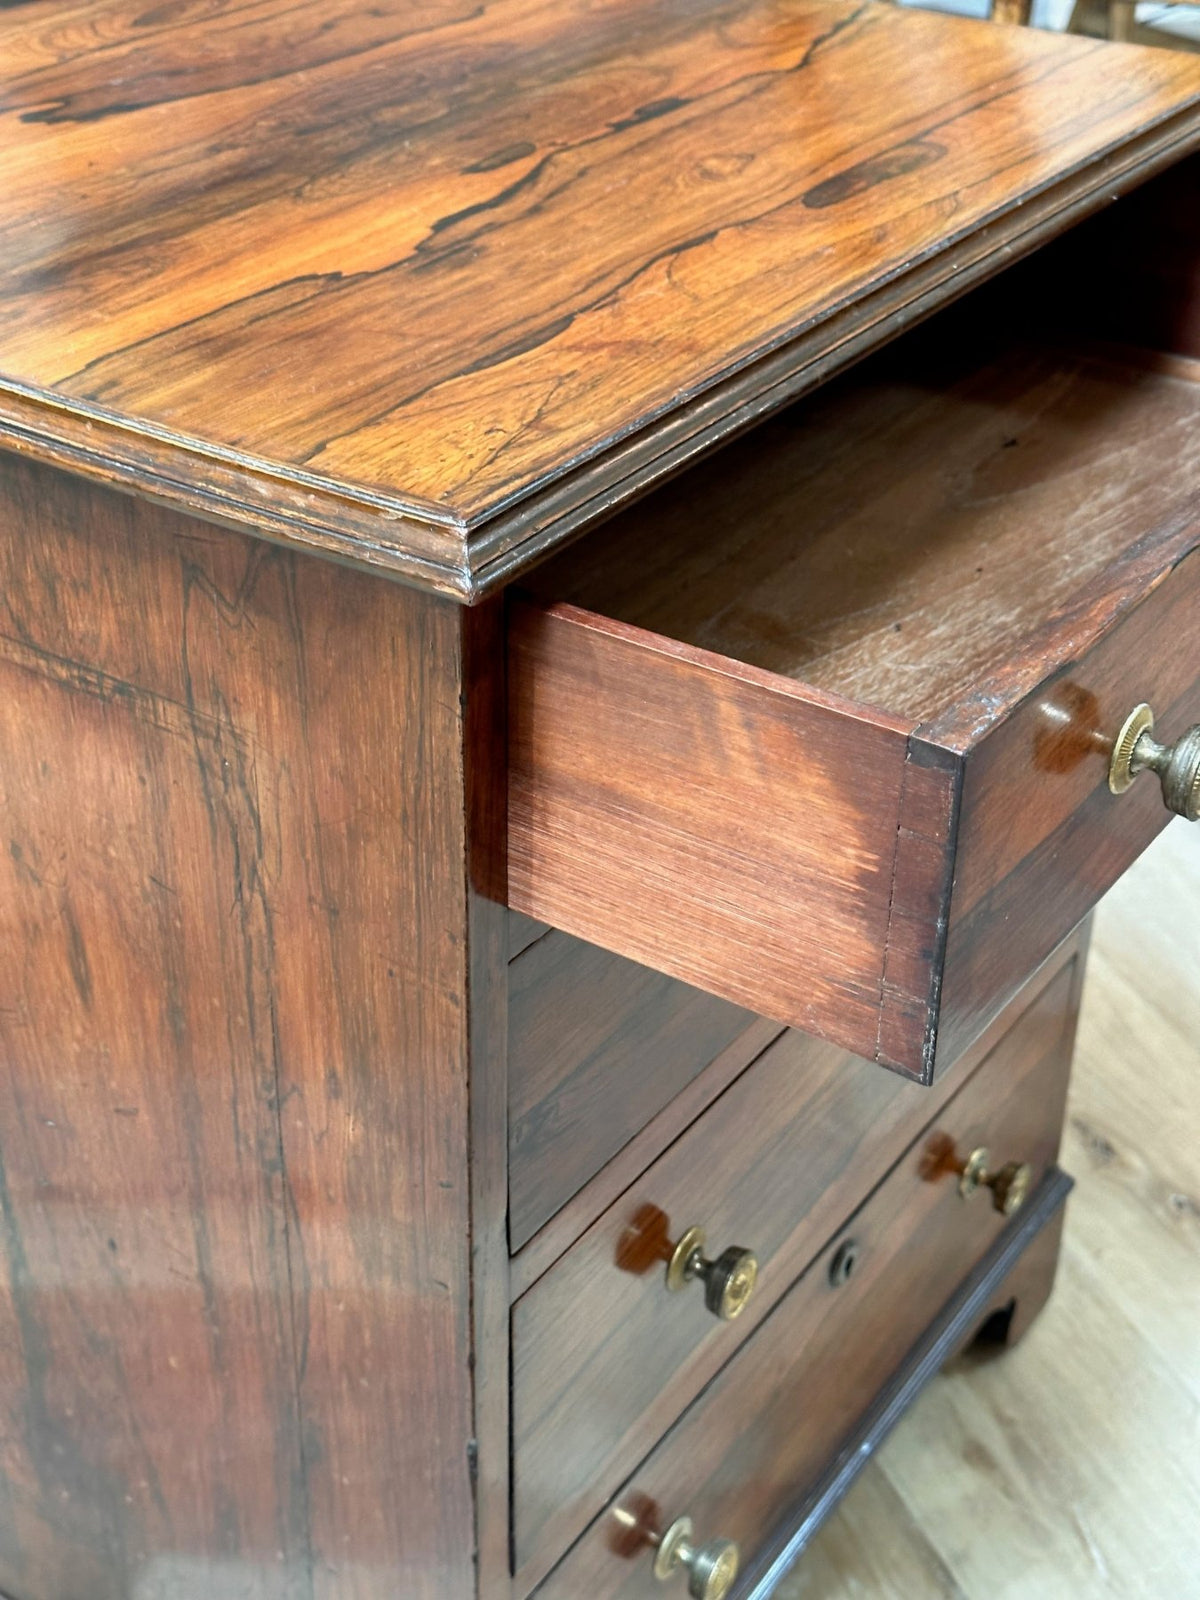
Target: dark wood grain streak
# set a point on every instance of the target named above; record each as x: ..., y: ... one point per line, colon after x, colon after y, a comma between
x: 597, y: 1046
x: 927, y: 819
x: 603, y: 1356
x: 762, y: 1434
x: 263, y: 192
x: 235, y: 1326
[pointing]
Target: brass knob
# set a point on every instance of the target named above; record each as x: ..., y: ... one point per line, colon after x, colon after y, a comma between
x: 1178, y: 765
x: 711, y: 1568
x: 728, y: 1281
x: 1009, y: 1186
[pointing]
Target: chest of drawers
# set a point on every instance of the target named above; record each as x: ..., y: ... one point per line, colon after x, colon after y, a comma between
x: 582, y: 592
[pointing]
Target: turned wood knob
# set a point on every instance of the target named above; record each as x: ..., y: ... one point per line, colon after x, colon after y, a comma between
x: 1178, y: 765
x: 728, y: 1281
x: 711, y: 1568
x: 1010, y: 1184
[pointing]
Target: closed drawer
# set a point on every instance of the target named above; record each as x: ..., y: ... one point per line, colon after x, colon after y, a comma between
x: 762, y: 1433
x: 605, y: 1356
x: 597, y: 1046
x: 826, y: 726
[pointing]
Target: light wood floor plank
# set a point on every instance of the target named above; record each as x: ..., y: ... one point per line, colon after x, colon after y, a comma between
x: 873, y: 1550
x: 1044, y: 1472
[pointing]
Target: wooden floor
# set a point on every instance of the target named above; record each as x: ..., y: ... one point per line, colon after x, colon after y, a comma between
x: 1070, y: 1466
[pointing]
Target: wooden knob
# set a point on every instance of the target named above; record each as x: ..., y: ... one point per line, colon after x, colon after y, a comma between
x: 1178, y: 765
x: 1010, y: 1184
x: 728, y: 1281
x: 711, y: 1568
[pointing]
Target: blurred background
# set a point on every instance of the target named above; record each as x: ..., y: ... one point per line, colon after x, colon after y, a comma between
x: 1172, y: 26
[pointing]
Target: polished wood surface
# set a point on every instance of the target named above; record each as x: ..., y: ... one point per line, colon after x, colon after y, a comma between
x: 604, y: 1357
x: 744, y: 1454
x: 597, y: 1046
x: 732, y: 828
x: 873, y: 708
x: 429, y: 286
x: 427, y: 289
x: 1068, y: 1468
x: 488, y: 932
x: 235, y: 1329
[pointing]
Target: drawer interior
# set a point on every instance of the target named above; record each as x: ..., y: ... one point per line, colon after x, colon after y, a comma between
x: 913, y: 527
x: 823, y: 726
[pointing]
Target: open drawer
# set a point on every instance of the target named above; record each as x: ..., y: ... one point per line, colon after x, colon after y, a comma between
x: 826, y: 726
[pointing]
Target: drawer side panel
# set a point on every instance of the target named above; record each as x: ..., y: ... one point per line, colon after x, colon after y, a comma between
x: 713, y: 822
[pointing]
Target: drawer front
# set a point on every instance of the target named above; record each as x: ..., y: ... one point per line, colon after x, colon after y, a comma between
x: 605, y: 1356
x: 747, y: 1451
x: 721, y: 764
x: 1042, y: 838
x: 597, y: 1046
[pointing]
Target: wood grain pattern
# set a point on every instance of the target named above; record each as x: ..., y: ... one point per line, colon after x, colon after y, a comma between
x: 569, y: 1224
x: 765, y: 1428
x: 635, y: 764
x: 597, y: 1046
x: 235, y: 1340
x: 954, y: 575
x: 908, y: 538
x: 539, y: 254
x: 604, y: 1357
x: 872, y: 1536
x: 488, y: 932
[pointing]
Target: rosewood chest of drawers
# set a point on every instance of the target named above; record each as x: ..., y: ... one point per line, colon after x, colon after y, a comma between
x: 590, y: 596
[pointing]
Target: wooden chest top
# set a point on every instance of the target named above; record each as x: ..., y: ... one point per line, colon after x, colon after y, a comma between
x: 430, y: 284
